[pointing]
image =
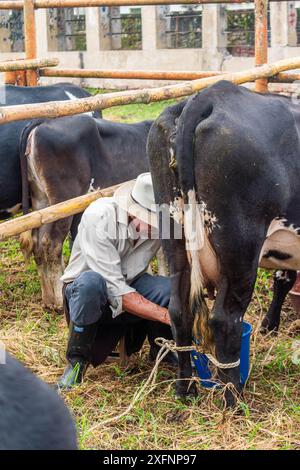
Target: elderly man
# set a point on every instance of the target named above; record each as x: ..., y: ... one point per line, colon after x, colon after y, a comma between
x: 107, y: 292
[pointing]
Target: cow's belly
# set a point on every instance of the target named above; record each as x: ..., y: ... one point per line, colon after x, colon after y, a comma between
x: 281, y: 249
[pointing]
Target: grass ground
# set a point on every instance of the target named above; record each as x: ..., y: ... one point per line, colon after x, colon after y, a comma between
x: 268, y: 418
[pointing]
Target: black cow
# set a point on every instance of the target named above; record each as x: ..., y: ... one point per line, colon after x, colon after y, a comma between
x: 33, y: 416
x: 65, y: 158
x: 10, y: 177
x: 226, y: 165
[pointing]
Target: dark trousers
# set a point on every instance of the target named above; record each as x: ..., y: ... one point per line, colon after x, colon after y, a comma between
x: 86, y: 303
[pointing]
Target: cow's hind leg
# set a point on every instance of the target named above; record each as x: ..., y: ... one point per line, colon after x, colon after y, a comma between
x: 47, y: 247
x: 182, y: 320
x: 283, y: 282
x: 226, y: 322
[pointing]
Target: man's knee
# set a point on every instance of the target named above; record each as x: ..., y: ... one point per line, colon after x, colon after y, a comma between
x: 90, y: 284
x: 86, y: 297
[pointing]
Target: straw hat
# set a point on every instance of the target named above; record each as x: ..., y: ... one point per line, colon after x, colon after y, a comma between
x: 137, y: 198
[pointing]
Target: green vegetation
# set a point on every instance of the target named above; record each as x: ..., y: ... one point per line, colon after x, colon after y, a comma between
x: 132, y: 112
x: 267, y: 418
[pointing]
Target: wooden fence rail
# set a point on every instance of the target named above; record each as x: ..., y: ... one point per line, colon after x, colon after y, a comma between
x: 50, y: 214
x: 66, y: 108
x: 151, y: 74
x: 18, y: 4
x: 26, y: 64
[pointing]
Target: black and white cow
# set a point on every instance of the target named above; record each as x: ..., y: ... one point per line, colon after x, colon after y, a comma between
x: 226, y: 163
x: 33, y: 416
x: 10, y: 176
x: 64, y: 158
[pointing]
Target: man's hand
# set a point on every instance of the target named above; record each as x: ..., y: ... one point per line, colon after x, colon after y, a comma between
x: 137, y: 305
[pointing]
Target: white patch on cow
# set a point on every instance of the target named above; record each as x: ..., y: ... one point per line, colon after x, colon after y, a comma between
x: 176, y: 210
x: 283, y: 238
x: 29, y: 153
x: 73, y: 97
x: 280, y: 275
x: 91, y: 188
x: 194, y: 232
x: 210, y: 220
x: 193, y: 223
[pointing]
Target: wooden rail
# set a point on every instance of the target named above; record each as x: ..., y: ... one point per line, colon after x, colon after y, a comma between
x: 66, y: 108
x: 26, y: 64
x: 127, y: 74
x: 18, y: 4
x: 150, y: 74
x: 50, y: 214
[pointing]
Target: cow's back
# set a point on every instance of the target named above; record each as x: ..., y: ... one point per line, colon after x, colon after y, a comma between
x: 33, y: 417
x: 245, y: 147
x: 10, y: 177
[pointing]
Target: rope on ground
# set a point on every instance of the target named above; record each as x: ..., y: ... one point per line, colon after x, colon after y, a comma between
x: 165, y: 347
x: 151, y: 381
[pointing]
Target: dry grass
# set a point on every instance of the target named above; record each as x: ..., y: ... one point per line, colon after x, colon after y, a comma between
x: 269, y: 417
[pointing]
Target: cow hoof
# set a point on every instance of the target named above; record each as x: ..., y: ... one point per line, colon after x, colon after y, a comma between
x: 233, y: 395
x: 267, y: 327
x: 184, y: 393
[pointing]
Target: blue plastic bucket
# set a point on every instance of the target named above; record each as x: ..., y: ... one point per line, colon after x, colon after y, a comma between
x: 202, y: 363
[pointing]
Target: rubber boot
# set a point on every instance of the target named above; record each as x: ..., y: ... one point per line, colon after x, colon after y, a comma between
x: 81, y: 340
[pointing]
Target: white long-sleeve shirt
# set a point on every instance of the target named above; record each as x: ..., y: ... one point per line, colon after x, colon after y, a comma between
x: 105, y: 244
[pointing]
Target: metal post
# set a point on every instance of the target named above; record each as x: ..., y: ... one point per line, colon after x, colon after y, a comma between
x: 261, y: 41
x: 30, y: 40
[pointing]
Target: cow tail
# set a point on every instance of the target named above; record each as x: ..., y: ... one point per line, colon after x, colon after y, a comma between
x: 26, y: 237
x: 196, y: 111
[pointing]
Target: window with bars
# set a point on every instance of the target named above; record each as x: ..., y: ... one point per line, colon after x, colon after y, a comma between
x: 122, y: 28
x: 66, y: 29
x: 240, y: 31
x: 180, y: 26
x: 11, y: 31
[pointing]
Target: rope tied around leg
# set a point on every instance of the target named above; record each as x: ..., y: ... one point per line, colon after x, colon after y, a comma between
x: 167, y: 345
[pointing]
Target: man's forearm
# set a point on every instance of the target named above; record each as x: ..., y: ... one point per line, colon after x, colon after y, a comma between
x: 137, y: 304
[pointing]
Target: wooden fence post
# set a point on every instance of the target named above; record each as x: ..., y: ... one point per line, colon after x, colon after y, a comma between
x: 30, y: 40
x: 261, y: 41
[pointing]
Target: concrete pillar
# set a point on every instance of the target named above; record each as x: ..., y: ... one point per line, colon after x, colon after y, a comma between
x: 149, y: 28
x: 162, y: 25
x: 104, y: 28
x: 92, y: 28
x: 41, y: 28
x: 213, y: 37
x: 283, y: 19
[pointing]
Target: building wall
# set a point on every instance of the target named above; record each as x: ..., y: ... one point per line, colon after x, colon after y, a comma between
x: 212, y: 56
